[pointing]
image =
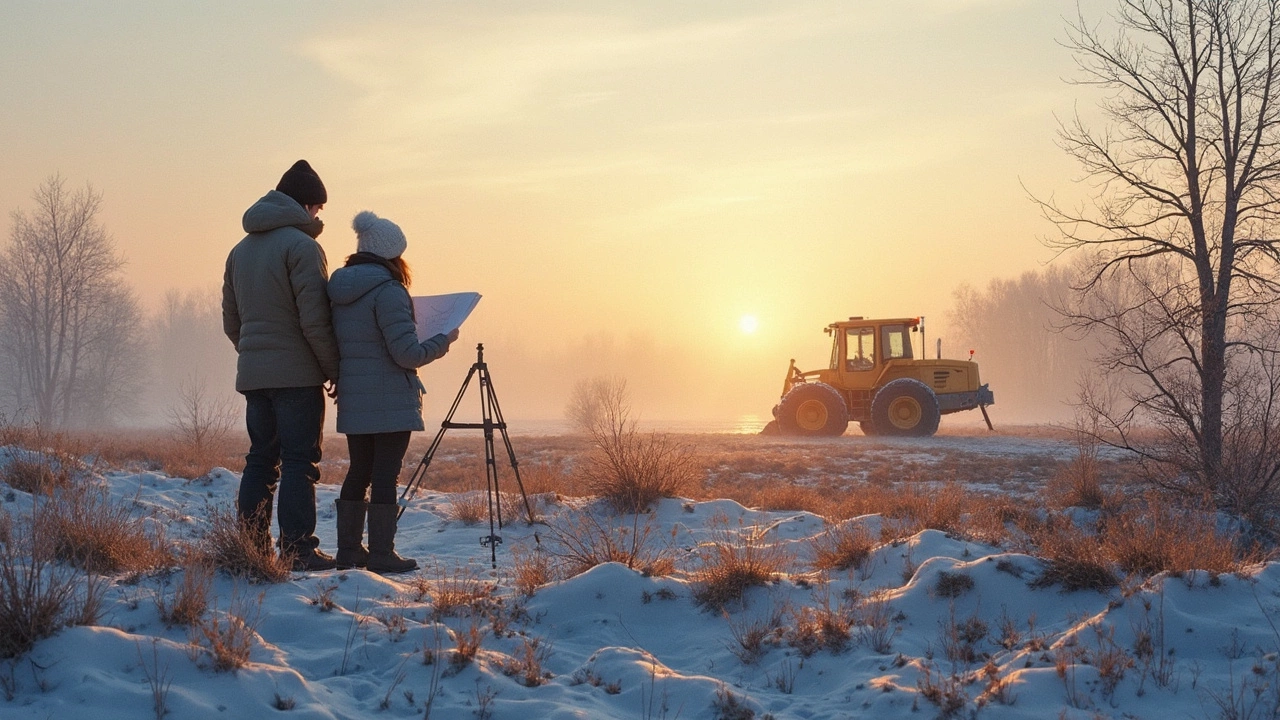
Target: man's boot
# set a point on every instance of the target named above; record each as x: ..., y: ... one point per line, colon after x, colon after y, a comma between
x: 382, y: 541
x: 351, y: 550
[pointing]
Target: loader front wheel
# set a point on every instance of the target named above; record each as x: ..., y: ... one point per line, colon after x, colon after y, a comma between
x: 905, y: 407
x: 813, y: 409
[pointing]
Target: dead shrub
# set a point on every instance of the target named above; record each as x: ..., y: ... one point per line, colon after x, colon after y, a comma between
x: 873, y: 618
x: 34, y: 475
x: 1074, y: 560
x: 468, y: 644
x: 946, y: 691
x: 239, y: 551
x: 548, y: 477
x: 531, y: 570
x: 785, y: 497
x: 526, y: 664
x: 87, y: 529
x: 842, y: 547
x: 1079, y: 482
x: 38, y: 596
x: 752, y: 636
x: 202, y: 423
x: 821, y: 626
x: 1160, y: 537
x: 581, y: 540
x: 470, y: 508
x: 630, y: 470
x: 912, y: 508
x: 187, y: 600
x: 454, y: 590
x: 229, y: 639
x: 733, y: 561
x: 951, y: 585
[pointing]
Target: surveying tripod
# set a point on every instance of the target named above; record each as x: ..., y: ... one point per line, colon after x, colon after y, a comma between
x: 491, y: 415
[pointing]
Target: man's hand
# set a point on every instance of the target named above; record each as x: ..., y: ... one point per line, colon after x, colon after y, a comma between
x: 453, y: 335
x: 331, y: 389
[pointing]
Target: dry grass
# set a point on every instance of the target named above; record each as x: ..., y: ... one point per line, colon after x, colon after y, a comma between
x: 38, y: 596
x: 821, y: 626
x: 581, y: 540
x: 1160, y: 537
x: 736, y: 559
x: 454, y: 591
x: 88, y: 530
x: 1079, y: 483
x: 41, y: 461
x: 526, y: 663
x: 229, y: 639
x: 470, y: 508
x: 629, y: 469
x: 468, y: 644
x: 187, y: 600
x: 235, y: 549
x: 531, y: 569
x: 155, y: 451
x: 842, y: 547
x: 1074, y: 560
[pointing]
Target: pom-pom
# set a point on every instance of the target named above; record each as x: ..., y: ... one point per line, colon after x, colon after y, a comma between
x: 363, y: 221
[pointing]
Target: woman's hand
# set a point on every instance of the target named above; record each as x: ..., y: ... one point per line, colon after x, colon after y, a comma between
x: 453, y: 335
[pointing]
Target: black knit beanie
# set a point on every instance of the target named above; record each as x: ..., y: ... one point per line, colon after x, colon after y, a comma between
x: 302, y: 183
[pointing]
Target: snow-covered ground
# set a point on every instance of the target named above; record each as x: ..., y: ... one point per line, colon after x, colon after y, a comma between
x: 940, y: 625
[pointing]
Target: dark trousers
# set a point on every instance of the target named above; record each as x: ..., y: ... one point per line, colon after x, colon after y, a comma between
x: 285, y: 426
x: 376, y: 460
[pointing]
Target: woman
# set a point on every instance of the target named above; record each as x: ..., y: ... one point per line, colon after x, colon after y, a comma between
x: 379, y: 393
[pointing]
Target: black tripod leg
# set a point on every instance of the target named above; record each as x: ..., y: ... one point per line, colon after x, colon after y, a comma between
x: 511, y: 453
x: 411, y: 486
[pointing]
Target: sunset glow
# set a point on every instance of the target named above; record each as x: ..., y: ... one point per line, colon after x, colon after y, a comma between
x: 618, y: 180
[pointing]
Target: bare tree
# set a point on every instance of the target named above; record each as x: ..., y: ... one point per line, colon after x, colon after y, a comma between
x: 1181, y: 227
x: 69, y: 322
x: 201, y: 421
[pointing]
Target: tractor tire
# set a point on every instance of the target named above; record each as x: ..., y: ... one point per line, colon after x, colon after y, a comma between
x: 813, y: 409
x: 905, y: 407
x: 867, y: 427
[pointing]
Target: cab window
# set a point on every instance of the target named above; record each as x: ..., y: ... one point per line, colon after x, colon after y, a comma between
x: 896, y: 341
x: 860, y: 344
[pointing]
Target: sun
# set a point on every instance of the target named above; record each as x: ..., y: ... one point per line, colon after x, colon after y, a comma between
x: 748, y: 324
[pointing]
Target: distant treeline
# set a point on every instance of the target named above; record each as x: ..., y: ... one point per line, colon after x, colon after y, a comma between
x: 1034, y: 364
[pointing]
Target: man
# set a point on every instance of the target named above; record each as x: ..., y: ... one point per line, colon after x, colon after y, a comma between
x: 275, y: 309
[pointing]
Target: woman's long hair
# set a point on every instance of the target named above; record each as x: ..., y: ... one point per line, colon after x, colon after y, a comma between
x: 398, y: 267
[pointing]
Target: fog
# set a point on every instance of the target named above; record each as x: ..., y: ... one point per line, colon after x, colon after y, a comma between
x: 1033, y: 370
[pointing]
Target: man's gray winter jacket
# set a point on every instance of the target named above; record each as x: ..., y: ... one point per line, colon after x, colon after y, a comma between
x: 275, y: 307
x: 378, y: 386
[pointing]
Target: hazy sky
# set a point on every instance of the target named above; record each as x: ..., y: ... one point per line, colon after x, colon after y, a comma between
x: 622, y: 181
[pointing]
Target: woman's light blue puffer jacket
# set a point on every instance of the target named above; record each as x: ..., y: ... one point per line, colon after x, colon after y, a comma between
x: 379, y: 352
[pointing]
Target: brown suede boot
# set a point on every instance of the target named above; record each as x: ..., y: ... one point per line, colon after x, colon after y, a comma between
x: 382, y: 541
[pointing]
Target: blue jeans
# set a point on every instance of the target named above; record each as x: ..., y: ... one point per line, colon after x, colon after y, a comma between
x: 285, y: 426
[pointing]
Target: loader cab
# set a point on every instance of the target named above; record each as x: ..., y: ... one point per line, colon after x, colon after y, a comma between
x: 858, y: 348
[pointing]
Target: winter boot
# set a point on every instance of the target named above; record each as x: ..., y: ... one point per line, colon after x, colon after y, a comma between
x: 310, y: 560
x: 351, y: 550
x: 351, y: 534
x: 382, y: 541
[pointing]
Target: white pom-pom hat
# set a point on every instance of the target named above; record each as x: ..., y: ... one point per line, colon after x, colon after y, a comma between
x: 378, y: 235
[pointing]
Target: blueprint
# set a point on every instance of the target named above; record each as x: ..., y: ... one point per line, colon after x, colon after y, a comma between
x: 441, y: 314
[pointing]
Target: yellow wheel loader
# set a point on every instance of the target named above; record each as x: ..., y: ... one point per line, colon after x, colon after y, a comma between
x: 875, y: 381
